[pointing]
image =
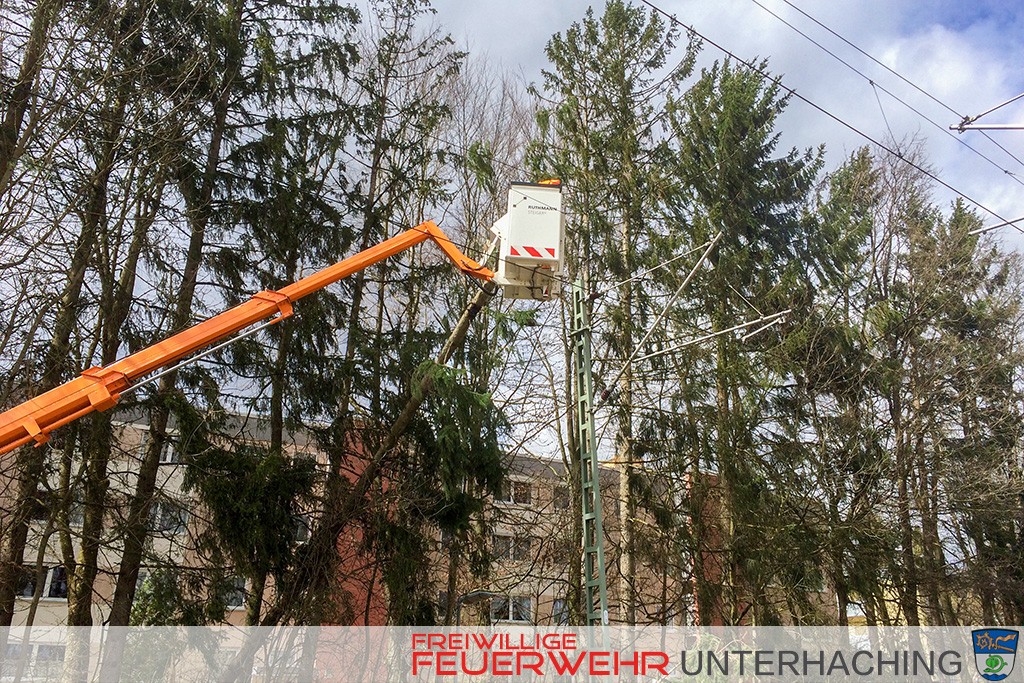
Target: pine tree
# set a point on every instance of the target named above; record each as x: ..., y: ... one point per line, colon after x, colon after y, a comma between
x: 255, y: 62
x: 737, y: 185
x: 837, y: 470
x: 603, y: 103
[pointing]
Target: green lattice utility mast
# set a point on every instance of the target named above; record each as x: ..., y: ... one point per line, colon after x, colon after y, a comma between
x: 594, y: 582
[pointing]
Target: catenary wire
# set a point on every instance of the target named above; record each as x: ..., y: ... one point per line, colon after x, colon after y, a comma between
x: 876, y: 87
x: 901, y: 77
x: 779, y: 83
x: 811, y: 103
x: 892, y: 136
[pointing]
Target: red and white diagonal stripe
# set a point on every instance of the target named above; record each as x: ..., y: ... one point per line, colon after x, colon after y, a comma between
x: 534, y: 252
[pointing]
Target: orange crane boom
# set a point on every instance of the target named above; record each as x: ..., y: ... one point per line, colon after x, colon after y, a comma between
x: 98, y: 388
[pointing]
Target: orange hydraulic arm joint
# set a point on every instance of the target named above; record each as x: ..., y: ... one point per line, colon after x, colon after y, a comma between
x: 99, y: 388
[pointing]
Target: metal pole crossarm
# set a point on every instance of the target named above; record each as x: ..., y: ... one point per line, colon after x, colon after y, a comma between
x: 99, y: 388
x: 664, y: 312
x: 765, y: 322
x: 987, y: 228
x: 988, y: 126
x: 966, y: 123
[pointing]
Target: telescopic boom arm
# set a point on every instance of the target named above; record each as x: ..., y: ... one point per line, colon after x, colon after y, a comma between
x: 98, y: 388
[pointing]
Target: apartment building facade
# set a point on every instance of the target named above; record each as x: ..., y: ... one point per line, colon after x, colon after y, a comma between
x: 531, y: 532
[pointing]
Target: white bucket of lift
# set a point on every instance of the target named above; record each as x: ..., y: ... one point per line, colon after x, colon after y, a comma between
x: 531, y: 235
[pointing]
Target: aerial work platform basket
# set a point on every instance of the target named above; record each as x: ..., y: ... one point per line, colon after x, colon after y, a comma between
x: 530, y: 237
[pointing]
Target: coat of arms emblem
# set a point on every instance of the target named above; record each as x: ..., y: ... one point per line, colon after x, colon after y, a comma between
x: 994, y: 652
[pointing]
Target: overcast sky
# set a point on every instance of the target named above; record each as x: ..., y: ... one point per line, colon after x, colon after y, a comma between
x: 968, y: 54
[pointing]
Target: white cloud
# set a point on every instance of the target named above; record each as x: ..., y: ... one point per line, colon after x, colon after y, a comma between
x: 947, y: 65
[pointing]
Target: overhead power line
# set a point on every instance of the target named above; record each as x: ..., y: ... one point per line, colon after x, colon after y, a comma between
x: 999, y: 106
x: 900, y: 76
x: 777, y: 81
x: 876, y: 87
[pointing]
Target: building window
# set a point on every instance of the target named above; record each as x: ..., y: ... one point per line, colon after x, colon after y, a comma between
x: 235, y: 596
x: 41, y: 505
x: 46, y: 502
x: 515, y: 608
x: 501, y: 547
x: 49, y: 653
x: 27, y: 582
x: 515, y: 548
x: 49, y: 662
x: 560, y: 497
x: 302, y: 527
x: 518, y: 492
x: 560, y: 612
x: 169, y: 454
x: 76, y: 511
x: 560, y: 551
x: 12, y: 653
x: 13, y: 650
x: 167, y: 517
x: 58, y: 584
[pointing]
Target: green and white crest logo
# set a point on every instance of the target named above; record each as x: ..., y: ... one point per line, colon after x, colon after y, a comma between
x: 994, y: 652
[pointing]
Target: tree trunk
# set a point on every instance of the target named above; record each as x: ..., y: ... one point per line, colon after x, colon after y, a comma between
x: 726, y: 455
x: 96, y: 449
x: 20, y: 93
x: 908, y: 583
x: 931, y: 544
x: 31, y: 460
x: 199, y: 211
x: 624, y: 457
